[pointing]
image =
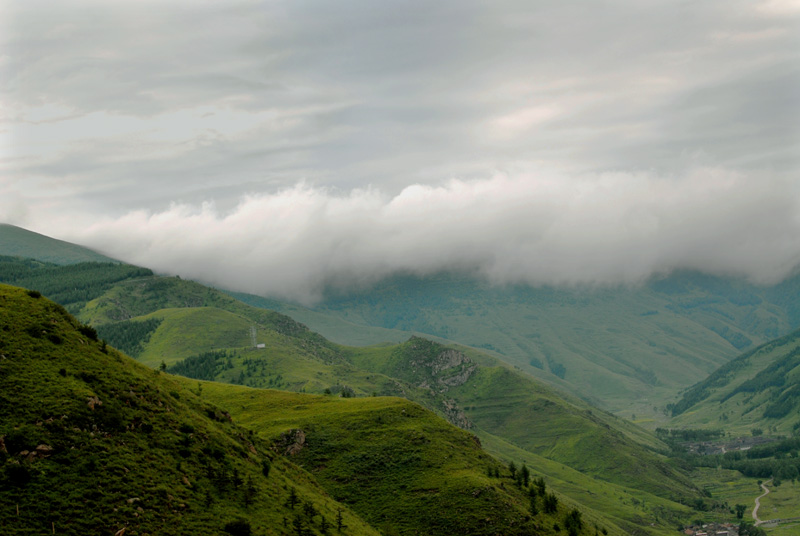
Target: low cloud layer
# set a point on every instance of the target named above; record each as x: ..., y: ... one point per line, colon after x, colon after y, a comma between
x: 591, y: 142
x: 535, y: 228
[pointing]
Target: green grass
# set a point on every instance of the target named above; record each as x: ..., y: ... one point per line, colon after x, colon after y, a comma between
x: 628, y: 508
x: 401, y: 467
x: 627, y: 349
x: 18, y: 242
x: 783, y: 501
x: 733, y: 488
x: 527, y: 413
x: 498, y: 399
x: 124, y: 446
x: 190, y: 331
x: 739, y: 395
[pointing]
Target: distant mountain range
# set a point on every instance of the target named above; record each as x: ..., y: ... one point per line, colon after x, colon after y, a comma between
x: 627, y: 349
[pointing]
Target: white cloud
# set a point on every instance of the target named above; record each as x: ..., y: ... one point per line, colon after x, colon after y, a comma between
x: 538, y: 228
x: 123, y: 118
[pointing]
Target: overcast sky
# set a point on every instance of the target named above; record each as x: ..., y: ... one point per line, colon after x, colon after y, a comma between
x: 279, y: 147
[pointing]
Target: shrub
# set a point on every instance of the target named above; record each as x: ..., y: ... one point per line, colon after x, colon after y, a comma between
x: 240, y: 527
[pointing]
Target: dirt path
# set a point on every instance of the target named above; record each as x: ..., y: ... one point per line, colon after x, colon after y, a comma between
x: 758, y: 502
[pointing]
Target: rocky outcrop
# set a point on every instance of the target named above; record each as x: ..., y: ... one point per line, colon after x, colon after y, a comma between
x: 290, y: 442
x: 449, y: 368
x: 93, y: 402
x: 455, y: 414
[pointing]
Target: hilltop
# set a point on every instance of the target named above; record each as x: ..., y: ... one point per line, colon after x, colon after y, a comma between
x: 18, y: 242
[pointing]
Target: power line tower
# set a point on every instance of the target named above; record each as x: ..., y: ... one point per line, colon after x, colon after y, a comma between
x: 253, y: 336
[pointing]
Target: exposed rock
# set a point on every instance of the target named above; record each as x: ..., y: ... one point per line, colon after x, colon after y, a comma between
x: 93, y: 402
x: 133, y: 500
x: 290, y: 442
x: 120, y: 532
x: 185, y: 481
x: 455, y: 414
x: 252, y: 448
x: 43, y: 451
x: 449, y: 368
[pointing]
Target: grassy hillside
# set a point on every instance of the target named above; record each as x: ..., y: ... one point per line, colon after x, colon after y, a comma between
x: 18, y: 242
x: 492, y: 397
x: 166, y: 319
x: 397, y: 464
x: 329, y: 326
x: 71, y: 285
x: 505, y: 403
x: 92, y: 442
x: 759, y: 389
x: 627, y: 349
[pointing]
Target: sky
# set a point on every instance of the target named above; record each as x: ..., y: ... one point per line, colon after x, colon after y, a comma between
x: 283, y: 148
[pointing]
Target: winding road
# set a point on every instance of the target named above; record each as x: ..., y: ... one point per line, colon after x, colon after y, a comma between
x: 758, y: 502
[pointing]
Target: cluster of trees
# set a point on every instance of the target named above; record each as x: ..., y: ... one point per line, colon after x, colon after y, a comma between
x: 306, y: 517
x: 68, y: 285
x: 129, y: 336
x: 779, y: 460
x: 204, y: 366
x: 670, y: 435
x: 540, y: 500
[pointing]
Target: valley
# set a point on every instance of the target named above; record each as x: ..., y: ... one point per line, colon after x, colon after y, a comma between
x: 272, y: 374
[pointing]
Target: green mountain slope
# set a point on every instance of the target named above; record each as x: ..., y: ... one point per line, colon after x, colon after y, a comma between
x: 758, y: 389
x: 92, y: 442
x: 152, y: 316
x: 72, y: 285
x: 396, y: 464
x: 19, y: 242
x: 491, y: 397
x: 494, y: 400
x: 627, y: 349
x: 498, y: 399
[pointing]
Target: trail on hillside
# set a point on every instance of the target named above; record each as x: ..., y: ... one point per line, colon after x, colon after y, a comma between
x: 758, y: 501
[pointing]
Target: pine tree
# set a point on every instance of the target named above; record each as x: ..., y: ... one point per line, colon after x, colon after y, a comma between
x: 292, y: 500
x: 339, y: 522
x: 525, y: 475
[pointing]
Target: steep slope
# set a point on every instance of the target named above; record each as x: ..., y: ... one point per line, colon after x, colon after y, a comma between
x: 92, y: 442
x: 296, y: 359
x: 399, y: 466
x: 497, y: 399
x: 19, y: 242
x: 71, y: 285
x: 759, y: 389
x: 627, y: 349
x: 493, y: 398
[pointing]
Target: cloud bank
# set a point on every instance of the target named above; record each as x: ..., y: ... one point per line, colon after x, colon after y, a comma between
x: 535, y: 228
